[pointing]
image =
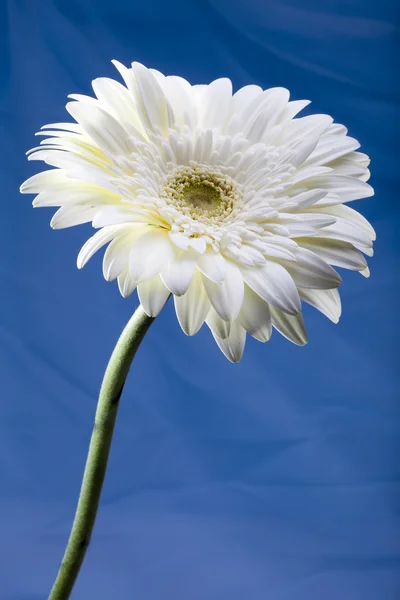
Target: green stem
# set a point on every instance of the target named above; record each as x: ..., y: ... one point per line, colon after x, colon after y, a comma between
x: 96, y: 463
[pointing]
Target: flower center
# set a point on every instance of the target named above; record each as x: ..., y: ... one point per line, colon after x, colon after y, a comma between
x: 203, y: 196
x: 201, y: 192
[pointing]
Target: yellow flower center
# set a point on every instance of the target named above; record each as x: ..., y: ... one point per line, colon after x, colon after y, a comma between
x: 202, y: 192
x: 203, y: 196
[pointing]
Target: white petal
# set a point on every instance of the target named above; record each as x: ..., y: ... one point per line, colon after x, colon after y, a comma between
x: 260, y: 117
x: 84, y: 99
x: 274, y: 285
x: 104, y: 236
x: 178, y: 273
x: 311, y: 125
x: 152, y: 104
x: 255, y: 316
x: 349, y: 214
x: 106, y: 131
x: 180, y: 240
x: 150, y: 253
x: 227, y: 296
x: 77, y: 166
x: 272, y: 103
x: 300, y: 136
x: 248, y: 255
x: 306, y: 176
x: 68, y: 216
x: 153, y: 295
x: 353, y: 164
x: 332, y: 147
x: 192, y: 308
x: 242, y: 98
x: 346, y: 188
x: 178, y: 93
x: 311, y: 271
x: 212, y: 265
x: 70, y: 127
x: 365, y: 272
x: 233, y: 345
x: 214, y: 107
x: 127, y: 75
x: 348, y: 232
x: 326, y: 301
x: 53, y: 179
x: 300, y: 221
x: 117, y: 100
x: 114, y: 215
x: 290, y: 326
x: 277, y: 251
x: 254, y: 129
x: 335, y: 252
x: 293, y: 108
x: 217, y: 325
x: 308, y: 198
x: 126, y: 284
x: 76, y: 193
x: 116, y: 256
x: 198, y: 244
x: 337, y: 129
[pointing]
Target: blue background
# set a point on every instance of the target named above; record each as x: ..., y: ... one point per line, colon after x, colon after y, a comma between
x: 277, y: 478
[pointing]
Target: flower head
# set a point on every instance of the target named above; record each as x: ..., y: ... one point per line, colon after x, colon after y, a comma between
x: 230, y: 202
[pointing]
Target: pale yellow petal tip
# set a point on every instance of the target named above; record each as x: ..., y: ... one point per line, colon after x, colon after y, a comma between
x: 124, y: 293
x: 56, y: 223
x: 365, y: 272
x: 125, y: 289
x: 371, y: 191
x: 234, y: 361
x: 338, y: 281
x: 79, y: 262
x: 299, y: 341
x: 263, y: 339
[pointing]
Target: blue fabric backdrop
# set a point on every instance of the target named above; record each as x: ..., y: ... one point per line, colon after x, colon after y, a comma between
x: 273, y: 479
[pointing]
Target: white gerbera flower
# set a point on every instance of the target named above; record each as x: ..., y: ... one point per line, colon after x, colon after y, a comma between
x: 226, y: 201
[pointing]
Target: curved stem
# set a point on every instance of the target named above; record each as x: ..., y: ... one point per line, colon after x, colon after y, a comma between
x: 96, y: 463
